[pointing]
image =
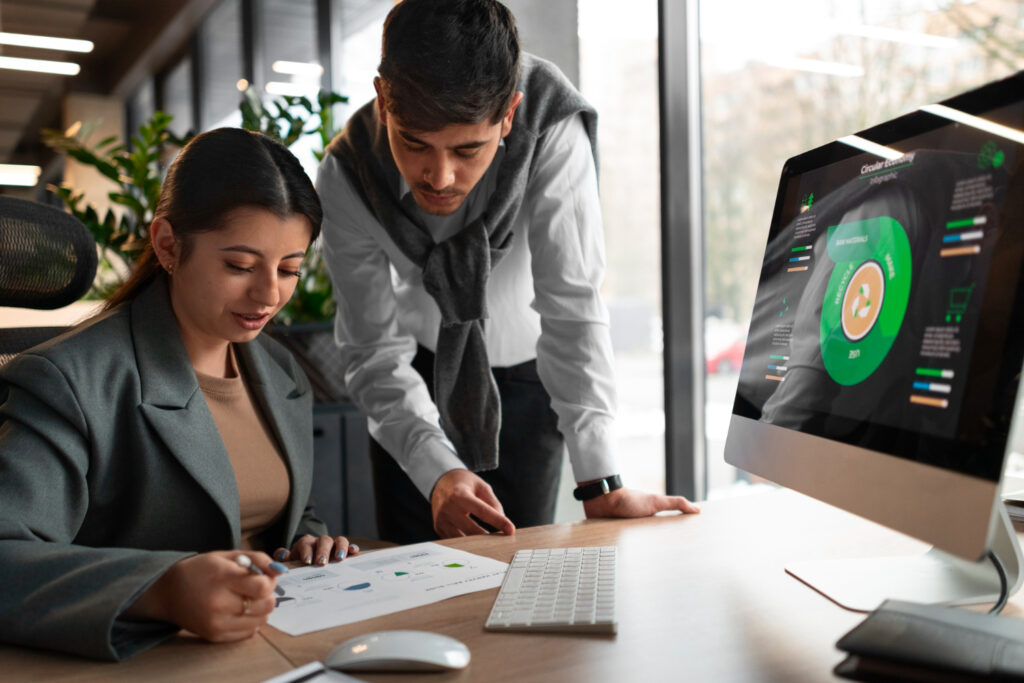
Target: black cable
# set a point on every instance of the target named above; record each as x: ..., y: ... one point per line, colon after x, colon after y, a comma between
x: 1004, y: 589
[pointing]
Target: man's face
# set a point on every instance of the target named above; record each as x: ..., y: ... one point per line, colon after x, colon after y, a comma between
x: 442, y: 166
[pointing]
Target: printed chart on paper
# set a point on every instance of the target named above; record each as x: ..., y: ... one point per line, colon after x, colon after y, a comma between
x: 378, y: 583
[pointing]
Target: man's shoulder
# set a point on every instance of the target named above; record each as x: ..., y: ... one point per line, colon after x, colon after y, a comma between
x: 531, y: 64
x: 343, y: 203
x: 359, y: 134
x: 549, y: 97
x: 332, y: 177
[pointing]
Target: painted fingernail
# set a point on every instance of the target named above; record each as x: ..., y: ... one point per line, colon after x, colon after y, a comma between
x: 278, y: 567
x: 281, y: 554
x: 308, y: 559
x: 340, y: 554
x: 321, y: 560
x: 354, y: 548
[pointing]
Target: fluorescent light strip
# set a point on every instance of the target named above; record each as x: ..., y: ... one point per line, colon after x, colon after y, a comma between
x: 895, y: 35
x: 975, y: 122
x: 815, y: 66
x: 297, y: 68
x: 45, y: 66
x: 19, y: 174
x: 866, y: 145
x: 46, y: 42
x: 293, y: 89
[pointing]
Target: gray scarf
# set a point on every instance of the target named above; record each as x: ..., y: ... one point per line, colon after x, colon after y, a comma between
x: 455, y: 271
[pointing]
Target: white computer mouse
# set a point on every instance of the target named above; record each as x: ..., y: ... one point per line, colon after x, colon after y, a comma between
x: 399, y: 651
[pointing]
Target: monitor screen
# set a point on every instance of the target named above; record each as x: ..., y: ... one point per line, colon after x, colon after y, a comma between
x: 888, y: 317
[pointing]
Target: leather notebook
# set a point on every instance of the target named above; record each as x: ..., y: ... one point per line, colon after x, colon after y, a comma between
x: 906, y: 641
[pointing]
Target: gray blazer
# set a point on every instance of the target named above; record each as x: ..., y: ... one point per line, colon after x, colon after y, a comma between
x: 112, y: 470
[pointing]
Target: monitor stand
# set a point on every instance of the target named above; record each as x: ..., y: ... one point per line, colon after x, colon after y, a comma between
x: 933, y: 577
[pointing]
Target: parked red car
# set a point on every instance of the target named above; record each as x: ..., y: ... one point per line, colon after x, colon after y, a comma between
x: 728, y: 358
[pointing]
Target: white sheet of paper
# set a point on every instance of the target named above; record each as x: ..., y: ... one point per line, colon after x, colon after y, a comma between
x: 314, y: 672
x: 380, y: 582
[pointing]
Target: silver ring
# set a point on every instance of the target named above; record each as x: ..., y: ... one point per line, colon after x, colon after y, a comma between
x: 246, y: 606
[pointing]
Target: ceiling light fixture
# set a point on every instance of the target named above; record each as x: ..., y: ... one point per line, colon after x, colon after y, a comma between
x: 896, y: 35
x: 297, y: 68
x: 815, y: 66
x: 46, y: 42
x: 19, y: 174
x: 291, y: 89
x: 45, y: 66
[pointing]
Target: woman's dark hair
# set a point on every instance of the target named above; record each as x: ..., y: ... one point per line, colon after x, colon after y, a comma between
x: 215, y: 173
x: 449, y: 61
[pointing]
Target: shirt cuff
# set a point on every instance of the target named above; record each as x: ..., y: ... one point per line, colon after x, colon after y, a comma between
x: 430, y: 462
x: 591, y: 453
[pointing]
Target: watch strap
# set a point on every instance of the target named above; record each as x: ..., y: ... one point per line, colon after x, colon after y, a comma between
x: 598, y: 488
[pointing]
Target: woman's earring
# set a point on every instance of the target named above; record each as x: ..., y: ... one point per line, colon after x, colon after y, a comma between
x: 169, y: 268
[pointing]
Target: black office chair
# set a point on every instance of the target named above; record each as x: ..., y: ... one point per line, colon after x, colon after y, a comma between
x: 47, y: 260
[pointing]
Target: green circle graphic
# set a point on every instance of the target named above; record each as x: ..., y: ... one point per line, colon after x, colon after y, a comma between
x: 883, y: 242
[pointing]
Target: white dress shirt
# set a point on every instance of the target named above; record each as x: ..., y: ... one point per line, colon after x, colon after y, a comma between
x: 543, y: 302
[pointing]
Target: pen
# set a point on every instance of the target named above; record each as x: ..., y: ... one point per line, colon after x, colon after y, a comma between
x: 246, y: 562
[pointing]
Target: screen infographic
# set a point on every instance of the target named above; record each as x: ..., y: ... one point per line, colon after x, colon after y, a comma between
x: 886, y: 309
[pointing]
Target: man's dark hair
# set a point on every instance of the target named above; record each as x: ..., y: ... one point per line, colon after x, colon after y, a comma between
x: 449, y: 61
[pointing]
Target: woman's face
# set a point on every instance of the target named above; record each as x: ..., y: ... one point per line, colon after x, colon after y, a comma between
x: 235, y: 279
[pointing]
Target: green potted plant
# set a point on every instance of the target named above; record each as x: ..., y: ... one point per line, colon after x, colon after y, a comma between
x: 136, y: 174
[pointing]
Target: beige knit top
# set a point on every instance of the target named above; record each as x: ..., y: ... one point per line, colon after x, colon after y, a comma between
x: 260, y: 472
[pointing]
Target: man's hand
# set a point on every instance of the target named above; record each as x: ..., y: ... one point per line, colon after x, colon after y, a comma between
x: 459, y: 494
x: 631, y: 503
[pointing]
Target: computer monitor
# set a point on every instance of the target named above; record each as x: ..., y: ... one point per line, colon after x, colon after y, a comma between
x: 887, y: 339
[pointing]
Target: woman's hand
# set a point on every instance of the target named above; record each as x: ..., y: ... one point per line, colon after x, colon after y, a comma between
x: 212, y: 596
x: 310, y: 549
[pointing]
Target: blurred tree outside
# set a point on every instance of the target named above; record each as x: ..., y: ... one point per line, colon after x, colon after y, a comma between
x: 756, y: 114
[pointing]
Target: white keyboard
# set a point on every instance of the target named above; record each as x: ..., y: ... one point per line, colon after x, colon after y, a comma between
x: 557, y: 589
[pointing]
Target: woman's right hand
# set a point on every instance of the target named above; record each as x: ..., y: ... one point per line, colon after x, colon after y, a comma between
x: 212, y: 596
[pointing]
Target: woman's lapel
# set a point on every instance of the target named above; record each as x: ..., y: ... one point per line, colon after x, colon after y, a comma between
x: 173, y: 404
x: 288, y: 411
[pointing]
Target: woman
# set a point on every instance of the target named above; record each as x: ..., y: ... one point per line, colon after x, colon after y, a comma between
x: 138, y: 448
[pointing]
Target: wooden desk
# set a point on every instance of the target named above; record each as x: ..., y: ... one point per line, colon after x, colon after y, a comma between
x: 186, y: 658
x: 701, y: 598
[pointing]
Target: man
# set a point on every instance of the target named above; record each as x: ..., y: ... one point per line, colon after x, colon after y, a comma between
x: 463, y: 235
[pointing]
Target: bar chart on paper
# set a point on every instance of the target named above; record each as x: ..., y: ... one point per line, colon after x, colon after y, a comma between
x: 381, y: 582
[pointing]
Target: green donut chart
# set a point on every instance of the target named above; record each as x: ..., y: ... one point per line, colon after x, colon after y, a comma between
x: 866, y: 298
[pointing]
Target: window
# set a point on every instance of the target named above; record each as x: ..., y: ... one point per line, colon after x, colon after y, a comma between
x: 140, y: 107
x: 291, y: 65
x: 362, y: 25
x: 176, y: 97
x: 222, y: 65
x: 619, y: 76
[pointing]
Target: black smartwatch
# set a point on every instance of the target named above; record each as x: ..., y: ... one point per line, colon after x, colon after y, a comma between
x: 598, y: 488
